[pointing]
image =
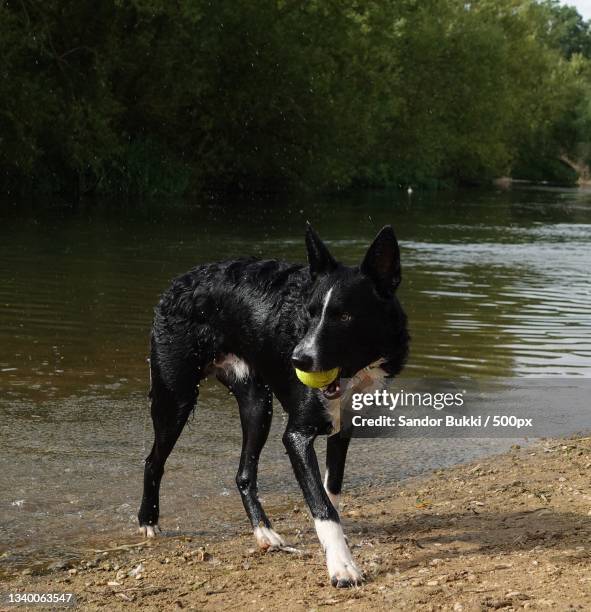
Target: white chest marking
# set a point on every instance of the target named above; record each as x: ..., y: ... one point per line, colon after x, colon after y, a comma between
x: 232, y: 364
x: 362, y: 381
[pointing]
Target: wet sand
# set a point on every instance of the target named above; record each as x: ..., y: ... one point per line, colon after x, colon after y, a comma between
x: 508, y: 532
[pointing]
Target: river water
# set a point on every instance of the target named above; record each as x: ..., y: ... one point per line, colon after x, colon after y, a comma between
x: 495, y: 283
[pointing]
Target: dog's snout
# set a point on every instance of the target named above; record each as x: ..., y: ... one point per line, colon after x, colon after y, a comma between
x: 302, y: 361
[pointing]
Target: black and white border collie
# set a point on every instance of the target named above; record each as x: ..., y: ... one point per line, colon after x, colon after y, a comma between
x: 249, y: 323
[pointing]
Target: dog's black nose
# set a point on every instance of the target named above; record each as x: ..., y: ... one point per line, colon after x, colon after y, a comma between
x: 302, y: 361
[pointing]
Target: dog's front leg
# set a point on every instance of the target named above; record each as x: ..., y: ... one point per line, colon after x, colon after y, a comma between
x: 342, y: 570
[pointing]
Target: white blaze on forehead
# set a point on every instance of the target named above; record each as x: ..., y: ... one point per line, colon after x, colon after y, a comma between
x: 310, y: 344
x: 325, y: 306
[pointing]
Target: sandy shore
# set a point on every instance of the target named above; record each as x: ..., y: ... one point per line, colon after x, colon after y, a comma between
x: 509, y: 532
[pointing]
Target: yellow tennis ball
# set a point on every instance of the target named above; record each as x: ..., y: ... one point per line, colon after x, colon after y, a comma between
x: 316, y: 380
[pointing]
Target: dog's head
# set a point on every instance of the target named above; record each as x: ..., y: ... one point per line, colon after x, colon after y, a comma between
x: 354, y: 315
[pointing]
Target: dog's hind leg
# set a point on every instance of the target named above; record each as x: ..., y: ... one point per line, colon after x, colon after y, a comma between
x: 255, y: 402
x: 336, y: 455
x: 170, y: 411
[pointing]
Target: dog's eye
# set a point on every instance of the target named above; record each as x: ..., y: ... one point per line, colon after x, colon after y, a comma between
x: 345, y: 317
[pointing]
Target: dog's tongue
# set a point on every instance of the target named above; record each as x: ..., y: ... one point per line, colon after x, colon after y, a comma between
x: 332, y: 391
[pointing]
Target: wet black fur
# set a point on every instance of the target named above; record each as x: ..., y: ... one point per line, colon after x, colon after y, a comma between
x: 261, y: 311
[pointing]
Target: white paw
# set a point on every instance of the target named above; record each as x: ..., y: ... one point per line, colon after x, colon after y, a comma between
x: 149, y: 531
x: 267, y: 539
x: 342, y: 569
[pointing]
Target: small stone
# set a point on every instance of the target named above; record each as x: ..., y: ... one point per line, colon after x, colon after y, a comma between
x: 123, y: 596
x: 517, y: 595
x: 202, y: 555
x: 58, y: 565
x: 549, y: 603
x: 136, y: 571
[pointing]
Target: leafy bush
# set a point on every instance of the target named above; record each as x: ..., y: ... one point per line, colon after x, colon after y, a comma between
x: 146, y: 97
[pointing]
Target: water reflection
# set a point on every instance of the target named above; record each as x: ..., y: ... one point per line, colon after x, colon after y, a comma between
x: 494, y: 284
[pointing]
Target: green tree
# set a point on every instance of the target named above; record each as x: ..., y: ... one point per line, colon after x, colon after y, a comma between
x: 146, y: 97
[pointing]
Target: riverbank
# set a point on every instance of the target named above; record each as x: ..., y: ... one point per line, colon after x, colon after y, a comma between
x: 508, y: 532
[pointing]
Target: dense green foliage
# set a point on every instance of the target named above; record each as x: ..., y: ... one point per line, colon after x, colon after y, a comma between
x: 148, y: 96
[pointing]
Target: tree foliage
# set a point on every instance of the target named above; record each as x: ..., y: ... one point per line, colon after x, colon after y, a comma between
x: 147, y: 96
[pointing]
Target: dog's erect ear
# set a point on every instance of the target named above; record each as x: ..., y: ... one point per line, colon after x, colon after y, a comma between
x: 320, y: 260
x: 382, y: 261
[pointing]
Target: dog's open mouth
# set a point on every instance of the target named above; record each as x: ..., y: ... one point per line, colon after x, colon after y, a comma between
x: 333, y: 391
